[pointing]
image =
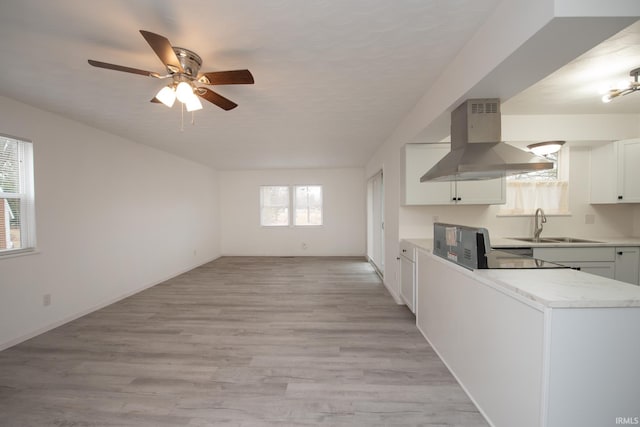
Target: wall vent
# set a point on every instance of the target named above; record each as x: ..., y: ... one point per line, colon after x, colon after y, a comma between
x: 484, y: 108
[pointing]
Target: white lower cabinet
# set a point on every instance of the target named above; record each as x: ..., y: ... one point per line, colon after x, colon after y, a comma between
x: 416, y: 159
x: 408, y: 275
x: 619, y: 263
x: 593, y: 260
x: 627, y: 265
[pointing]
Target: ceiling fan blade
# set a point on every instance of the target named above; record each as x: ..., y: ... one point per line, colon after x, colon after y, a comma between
x: 122, y: 68
x: 234, y: 77
x: 217, y: 99
x: 164, y: 50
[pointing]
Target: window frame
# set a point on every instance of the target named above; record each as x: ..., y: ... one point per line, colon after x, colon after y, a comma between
x: 291, y: 206
x: 25, y: 194
x: 262, y: 205
x: 294, y: 205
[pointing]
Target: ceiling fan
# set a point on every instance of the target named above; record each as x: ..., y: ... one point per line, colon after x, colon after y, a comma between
x: 183, y: 66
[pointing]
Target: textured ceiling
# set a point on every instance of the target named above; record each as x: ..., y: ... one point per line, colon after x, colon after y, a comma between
x: 576, y: 87
x: 333, y: 78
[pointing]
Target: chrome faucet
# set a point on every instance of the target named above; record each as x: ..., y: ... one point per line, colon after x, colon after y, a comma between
x: 539, y: 219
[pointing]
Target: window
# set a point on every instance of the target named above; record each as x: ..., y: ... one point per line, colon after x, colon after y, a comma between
x: 547, y: 189
x: 276, y: 202
x: 17, y: 209
x: 308, y: 203
x: 274, y: 205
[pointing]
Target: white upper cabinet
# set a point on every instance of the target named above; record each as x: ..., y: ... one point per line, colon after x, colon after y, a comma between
x: 416, y: 159
x: 615, y: 172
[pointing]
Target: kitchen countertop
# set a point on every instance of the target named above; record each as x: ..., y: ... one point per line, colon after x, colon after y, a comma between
x: 552, y: 288
x: 509, y: 242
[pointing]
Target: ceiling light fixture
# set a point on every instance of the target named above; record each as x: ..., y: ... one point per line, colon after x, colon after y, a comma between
x: 625, y: 88
x: 167, y: 96
x: 183, y: 92
x: 545, y: 148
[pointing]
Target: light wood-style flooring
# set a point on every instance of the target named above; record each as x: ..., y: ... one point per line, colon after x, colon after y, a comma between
x: 241, y: 341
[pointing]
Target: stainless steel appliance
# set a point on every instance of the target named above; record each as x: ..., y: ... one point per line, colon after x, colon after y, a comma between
x: 477, y: 151
x: 470, y: 247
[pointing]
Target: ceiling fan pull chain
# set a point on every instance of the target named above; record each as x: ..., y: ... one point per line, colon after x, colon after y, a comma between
x: 182, y: 117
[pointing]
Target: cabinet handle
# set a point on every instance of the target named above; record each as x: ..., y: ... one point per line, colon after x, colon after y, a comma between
x: 620, y: 253
x: 404, y: 251
x: 454, y: 199
x: 459, y: 198
x: 619, y: 197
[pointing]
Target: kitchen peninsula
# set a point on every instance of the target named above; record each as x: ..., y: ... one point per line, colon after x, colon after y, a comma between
x: 548, y: 347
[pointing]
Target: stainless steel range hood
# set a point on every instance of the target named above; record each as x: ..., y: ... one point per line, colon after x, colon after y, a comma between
x: 476, y: 150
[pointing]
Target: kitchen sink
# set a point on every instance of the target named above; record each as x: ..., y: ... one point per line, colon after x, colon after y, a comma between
x: 531, y: 239
x: 554, y: 240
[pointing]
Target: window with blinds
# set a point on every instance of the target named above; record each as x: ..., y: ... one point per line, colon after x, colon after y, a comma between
x: 17, y: 203
x: 308, y: 205
x: 283, y: 205
x: 274, y: 206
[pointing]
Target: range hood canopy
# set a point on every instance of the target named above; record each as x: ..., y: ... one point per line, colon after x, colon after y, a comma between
x: 476, y: 150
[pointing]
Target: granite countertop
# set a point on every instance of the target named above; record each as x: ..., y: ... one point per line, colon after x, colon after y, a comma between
x: 553, y: 288
x: 564, y: 288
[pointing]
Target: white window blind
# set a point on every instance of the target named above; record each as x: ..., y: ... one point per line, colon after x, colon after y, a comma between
x: 308, y: 205
x: 283, y: 205
x: 274, y: 205
x: 17, y: 203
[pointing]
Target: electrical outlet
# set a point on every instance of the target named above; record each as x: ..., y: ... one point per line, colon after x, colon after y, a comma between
x: 46, y: 300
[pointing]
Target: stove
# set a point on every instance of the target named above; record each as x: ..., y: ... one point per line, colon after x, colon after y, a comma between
x: 470, y: 247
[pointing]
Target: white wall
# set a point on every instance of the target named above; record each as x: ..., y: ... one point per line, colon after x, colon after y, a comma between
x: 344, y: 214
x: 112, y: 217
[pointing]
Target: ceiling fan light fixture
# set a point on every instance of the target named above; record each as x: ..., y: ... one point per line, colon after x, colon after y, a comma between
x: 545, y: 148
x: 167, y: 96
x: 193, y: 103
x: 184, y: 91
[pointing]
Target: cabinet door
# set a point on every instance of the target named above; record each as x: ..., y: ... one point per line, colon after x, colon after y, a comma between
x: 407, y: 282
x: 604, y: 269
x: 628, y: 171
x: 627, y: 264
x: 418, y: 159
x: 487, y: 191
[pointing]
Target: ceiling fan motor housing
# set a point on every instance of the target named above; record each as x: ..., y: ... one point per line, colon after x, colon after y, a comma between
x: 190, y: 61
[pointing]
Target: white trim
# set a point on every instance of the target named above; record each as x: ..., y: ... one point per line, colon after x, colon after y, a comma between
x: 12, y: 253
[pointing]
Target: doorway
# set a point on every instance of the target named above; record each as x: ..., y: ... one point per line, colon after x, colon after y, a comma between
x: 375, y: 222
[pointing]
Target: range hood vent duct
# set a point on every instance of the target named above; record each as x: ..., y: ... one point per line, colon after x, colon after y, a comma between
x: 476, y: 149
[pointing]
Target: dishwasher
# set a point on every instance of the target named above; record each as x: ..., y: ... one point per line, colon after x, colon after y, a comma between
x: 408, y: 274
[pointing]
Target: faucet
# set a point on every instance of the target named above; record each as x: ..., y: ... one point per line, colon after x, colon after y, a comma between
x: 539, y: 219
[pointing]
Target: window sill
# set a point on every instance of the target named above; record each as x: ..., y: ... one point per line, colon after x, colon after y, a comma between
x: 18, y: 252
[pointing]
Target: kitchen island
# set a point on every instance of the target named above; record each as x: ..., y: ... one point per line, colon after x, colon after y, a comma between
x: 534, y: 347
